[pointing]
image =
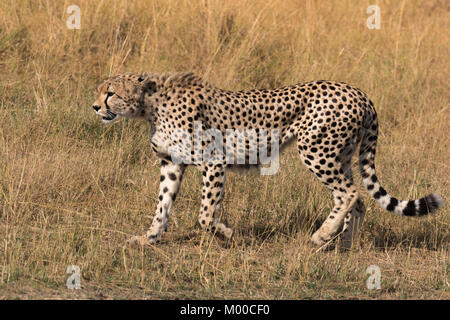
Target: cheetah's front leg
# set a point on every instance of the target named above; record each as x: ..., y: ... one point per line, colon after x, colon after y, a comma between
x: 212, y: 195
x: 170, y: 180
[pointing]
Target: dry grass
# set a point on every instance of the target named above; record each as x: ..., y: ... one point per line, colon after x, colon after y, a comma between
x: 73, y: 190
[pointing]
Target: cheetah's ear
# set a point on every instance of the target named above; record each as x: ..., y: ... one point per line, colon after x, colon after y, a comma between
x: 148, y: 86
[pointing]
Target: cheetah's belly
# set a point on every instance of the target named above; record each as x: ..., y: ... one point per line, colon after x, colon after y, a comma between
x: 159, y: 143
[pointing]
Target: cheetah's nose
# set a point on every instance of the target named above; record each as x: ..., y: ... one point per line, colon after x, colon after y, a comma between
x: 96, y: 108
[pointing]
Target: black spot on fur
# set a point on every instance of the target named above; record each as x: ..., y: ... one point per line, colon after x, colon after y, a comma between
x: 172, y: 176
x: 164, y: 163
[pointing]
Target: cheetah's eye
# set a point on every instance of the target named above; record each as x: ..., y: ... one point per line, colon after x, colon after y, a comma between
x: 109, y: 94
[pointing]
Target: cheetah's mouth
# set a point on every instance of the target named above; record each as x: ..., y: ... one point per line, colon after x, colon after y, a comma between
x: 110, y: 117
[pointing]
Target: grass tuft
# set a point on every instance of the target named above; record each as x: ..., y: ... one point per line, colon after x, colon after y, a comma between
x: 73, y: 190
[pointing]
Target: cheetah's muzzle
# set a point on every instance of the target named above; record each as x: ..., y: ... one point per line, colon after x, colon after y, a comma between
x: 110, y: 116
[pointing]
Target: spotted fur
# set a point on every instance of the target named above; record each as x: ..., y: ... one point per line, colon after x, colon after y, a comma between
x: 327, y: 120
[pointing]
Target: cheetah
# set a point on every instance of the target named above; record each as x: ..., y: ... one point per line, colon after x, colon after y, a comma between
x: 327, y: 120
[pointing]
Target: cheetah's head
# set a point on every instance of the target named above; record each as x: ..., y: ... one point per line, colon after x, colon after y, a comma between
x: 123, y: 96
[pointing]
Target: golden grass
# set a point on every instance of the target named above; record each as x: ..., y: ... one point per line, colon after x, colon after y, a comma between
x: 73, y: 190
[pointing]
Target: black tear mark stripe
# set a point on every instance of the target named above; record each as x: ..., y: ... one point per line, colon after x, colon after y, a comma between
x: 106, y: 102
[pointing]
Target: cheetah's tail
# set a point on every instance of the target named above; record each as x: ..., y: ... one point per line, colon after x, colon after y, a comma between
x: 419, y: 207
